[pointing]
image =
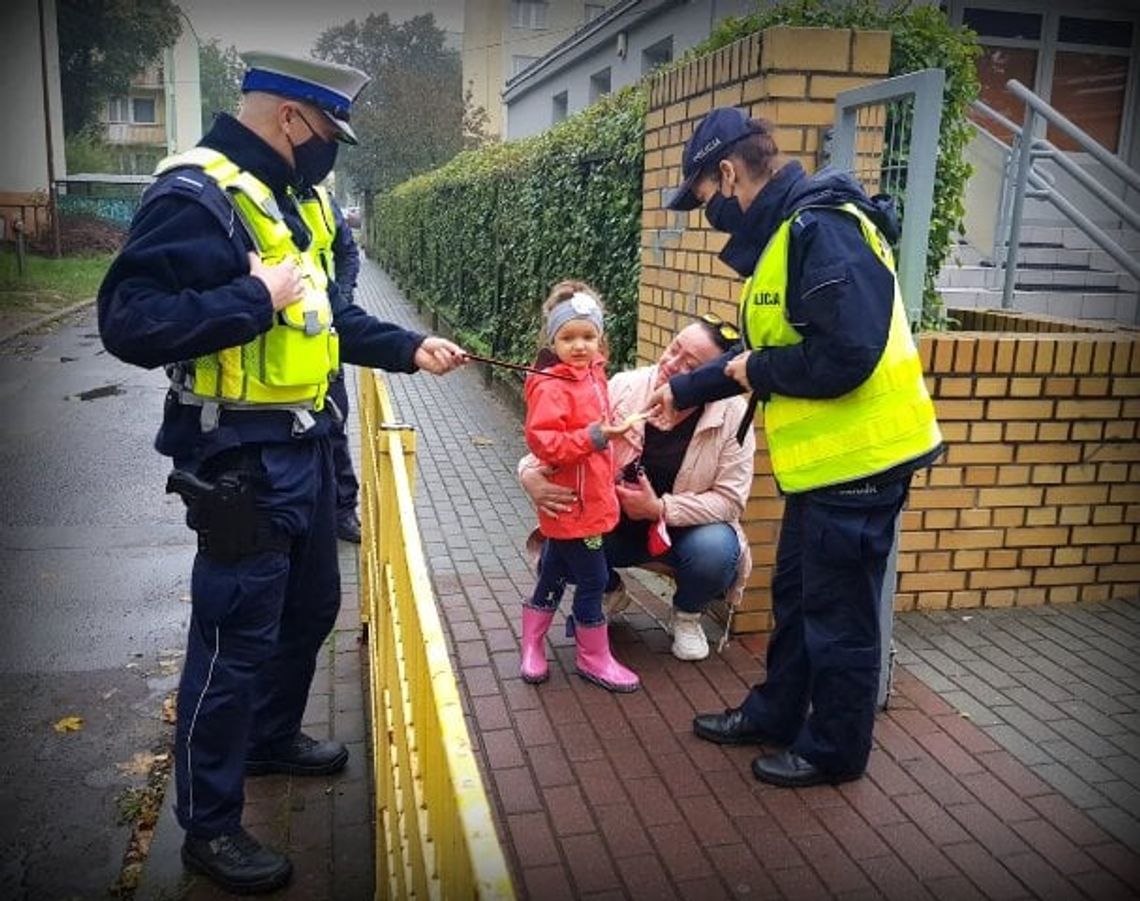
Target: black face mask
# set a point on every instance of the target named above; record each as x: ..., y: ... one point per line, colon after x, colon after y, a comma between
x: 724, y: 213
x: 313, y: 160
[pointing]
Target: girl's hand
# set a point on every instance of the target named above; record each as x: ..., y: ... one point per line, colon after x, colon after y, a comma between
x: 613, y: 431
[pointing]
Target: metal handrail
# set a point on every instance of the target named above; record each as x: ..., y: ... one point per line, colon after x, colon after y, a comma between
x: 1112, y: 162
x: 1032, y: 183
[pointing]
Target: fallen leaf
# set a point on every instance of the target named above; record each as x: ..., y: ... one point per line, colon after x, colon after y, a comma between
x: 482, y: 441
x: 169, y: 712
x: 69, y: 724
x: 139, y: 765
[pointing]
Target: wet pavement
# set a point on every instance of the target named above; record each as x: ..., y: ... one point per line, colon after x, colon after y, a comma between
x: 92, y: 605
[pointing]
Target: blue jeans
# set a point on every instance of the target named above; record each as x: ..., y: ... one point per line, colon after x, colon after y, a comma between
x: 571, y: 560
x: 703, y: 559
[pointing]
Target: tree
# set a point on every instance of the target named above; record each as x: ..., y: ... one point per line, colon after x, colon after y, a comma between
x: 221, y: 72
x: 410, y: 118
x: 475, y: 121
x: 102, y: 45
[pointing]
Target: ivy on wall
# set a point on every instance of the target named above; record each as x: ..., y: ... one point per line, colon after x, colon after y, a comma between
x: 482, y: 239
x: 921, y: 38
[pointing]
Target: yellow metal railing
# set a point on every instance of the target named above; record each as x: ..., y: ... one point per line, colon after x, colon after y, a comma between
x: 435, y: 837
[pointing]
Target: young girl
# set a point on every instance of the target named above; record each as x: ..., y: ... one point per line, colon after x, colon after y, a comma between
x: 567, y: 427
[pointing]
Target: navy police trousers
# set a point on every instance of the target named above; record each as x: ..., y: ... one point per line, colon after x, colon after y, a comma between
x: 256, y: 627
x: 824, y: 654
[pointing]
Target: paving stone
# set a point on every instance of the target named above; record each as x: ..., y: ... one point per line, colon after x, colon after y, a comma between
x: 1070, y: 784
x: 599, y: 796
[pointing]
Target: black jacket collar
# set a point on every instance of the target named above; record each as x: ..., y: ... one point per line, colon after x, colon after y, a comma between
x: 249, y: 152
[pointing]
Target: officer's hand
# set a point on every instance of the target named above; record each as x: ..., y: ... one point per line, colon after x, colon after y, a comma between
x: 737, y: 369
x: 662, y: 413
x: 438, y: 355
x: 283, y: 280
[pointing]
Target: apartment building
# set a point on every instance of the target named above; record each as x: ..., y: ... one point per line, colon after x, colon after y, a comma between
x: 501, y: 38
x: 160, y: 113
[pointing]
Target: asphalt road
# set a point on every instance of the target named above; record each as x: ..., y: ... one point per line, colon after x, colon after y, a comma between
x: 94, y: 581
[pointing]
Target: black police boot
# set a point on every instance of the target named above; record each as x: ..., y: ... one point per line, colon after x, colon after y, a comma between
x: 348, y: 528
x: 733, y: 727
x: 303, y: 756
x: 788, y: 770
x: 237, y: 862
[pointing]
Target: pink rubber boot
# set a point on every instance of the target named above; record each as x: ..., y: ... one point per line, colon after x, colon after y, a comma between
x: 536, y: 623
x: 597, y: 664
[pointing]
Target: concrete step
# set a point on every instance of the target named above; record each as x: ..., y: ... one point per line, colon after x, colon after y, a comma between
x: 1118, y: 306
x: 1035, y: 276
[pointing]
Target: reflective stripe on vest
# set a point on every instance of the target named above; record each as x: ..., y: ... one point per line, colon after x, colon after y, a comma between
x: 289, y: 365
x: 888, y: 420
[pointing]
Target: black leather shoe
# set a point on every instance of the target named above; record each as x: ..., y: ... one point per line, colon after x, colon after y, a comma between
x: 304, y: 756
x: 237, y: 862
x: 789, y: 770
x: 348, y: 528
x: 732, y: 727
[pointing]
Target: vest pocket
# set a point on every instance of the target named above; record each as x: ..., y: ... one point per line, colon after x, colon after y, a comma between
x: 293, y: 358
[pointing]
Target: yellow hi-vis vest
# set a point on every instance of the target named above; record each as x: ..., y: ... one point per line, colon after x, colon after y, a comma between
x: 289, y: 366
x: 886, y: 421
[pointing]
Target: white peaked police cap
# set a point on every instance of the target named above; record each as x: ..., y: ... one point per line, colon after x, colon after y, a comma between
x: 328, y: 86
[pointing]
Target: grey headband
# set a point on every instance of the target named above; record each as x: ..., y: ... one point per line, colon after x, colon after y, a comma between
x: 579, y: 306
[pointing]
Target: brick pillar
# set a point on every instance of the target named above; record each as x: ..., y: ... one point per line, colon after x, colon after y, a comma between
x: 789, y: 76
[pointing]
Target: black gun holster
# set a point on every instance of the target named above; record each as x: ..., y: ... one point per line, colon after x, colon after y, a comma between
x: 224, y: 514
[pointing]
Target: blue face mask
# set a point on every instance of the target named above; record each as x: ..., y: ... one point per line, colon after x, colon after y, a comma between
x: 313, y: 160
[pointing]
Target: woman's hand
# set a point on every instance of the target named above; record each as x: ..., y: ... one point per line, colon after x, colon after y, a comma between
x: 638, y: 499
x: 549, y: 497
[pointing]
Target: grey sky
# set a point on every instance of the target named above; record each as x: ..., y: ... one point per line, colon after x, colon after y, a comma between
x: 292, y: 26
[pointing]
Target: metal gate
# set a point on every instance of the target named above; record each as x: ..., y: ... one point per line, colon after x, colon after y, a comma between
x: 886, y: 135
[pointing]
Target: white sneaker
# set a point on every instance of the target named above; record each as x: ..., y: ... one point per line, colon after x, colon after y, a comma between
x: 689, y: 641
x: 615, y: 601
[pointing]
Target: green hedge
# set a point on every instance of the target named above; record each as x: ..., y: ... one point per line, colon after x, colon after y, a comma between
x: 482, y: 239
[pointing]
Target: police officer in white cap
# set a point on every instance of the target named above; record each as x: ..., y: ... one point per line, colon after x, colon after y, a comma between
x: 224, y: 281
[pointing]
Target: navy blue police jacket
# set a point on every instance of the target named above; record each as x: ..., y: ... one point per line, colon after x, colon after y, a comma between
x: 840, y: 297
x: 180, y: 288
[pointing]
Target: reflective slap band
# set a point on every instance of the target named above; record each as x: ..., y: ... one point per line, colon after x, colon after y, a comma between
x: 579, y: 306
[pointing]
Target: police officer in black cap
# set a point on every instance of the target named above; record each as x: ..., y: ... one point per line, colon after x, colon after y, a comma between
x: 847, y: 422
x: 222, y: 282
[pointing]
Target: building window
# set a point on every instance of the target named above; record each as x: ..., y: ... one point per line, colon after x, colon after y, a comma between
x: 518, y: 63
x: 599, y: 84
x: 996, y: 23
x: 142, y: 110
x: 559, y: 105
x: 528, y: 14
x: 593, y: 10
x: 118, y: 109
x: 657, y: 55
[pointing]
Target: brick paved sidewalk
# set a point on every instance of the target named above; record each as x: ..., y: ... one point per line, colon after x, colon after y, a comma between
x: 606, y: 796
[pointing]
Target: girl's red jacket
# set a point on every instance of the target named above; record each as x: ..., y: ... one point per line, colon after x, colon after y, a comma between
x: 559, y: 416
